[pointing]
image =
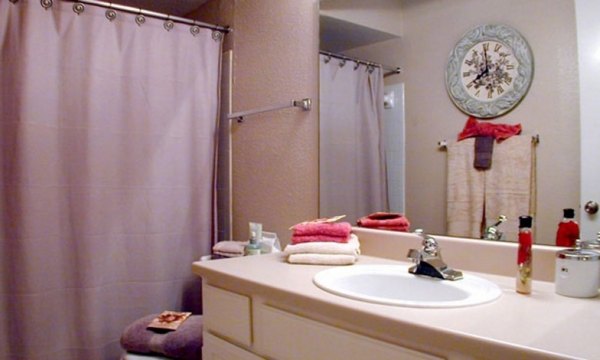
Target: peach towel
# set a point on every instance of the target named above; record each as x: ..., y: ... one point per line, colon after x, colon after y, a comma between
x: 350, y: 248
x: 324, y: 253
x: 507, y: 188
x: 465, y: 191
x: 322, y: 259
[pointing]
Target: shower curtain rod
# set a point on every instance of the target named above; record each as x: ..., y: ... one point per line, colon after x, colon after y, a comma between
x: 152, y: 14
x: 390, y: 69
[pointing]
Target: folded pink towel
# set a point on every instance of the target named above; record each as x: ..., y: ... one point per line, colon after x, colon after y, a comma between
x: 387, y: 221
x: 341, y: 229
x: 183, y: 343
x: 298, y: 239
x: 390, y: 228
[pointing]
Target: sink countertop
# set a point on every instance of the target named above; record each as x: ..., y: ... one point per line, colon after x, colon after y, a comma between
x: 540, y: 325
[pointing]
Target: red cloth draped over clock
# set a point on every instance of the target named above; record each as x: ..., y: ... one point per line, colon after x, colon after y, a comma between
x: 500, y: 132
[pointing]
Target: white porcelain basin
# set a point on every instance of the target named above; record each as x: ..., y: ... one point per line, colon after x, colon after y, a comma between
x: 393, y: 285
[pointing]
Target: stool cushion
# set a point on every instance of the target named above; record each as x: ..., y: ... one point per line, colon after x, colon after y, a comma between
x: 183, y: 343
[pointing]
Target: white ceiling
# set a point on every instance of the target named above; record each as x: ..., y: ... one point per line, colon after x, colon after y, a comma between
x: 171, y: 7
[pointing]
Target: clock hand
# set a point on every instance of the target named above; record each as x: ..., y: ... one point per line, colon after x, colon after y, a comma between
x: 486, y: 58
x: 487, y: 65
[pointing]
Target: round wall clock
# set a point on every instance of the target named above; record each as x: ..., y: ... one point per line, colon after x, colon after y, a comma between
x: 489, y: 71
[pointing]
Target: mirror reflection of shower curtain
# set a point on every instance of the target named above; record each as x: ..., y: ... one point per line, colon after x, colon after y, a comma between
x: 352, y: 176
x: 106, y: 168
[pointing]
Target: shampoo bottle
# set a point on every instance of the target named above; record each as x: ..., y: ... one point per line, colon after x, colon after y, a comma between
x: 568, y: 229
x: 524, y: 255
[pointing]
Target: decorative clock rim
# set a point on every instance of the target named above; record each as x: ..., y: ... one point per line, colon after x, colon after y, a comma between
x: 521, y: 83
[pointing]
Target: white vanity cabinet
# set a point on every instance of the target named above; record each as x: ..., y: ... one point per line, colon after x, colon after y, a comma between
x: 243, y: 327
x: 260, y: 307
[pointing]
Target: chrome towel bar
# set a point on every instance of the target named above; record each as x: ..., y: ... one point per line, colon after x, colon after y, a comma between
x: 305, y: 104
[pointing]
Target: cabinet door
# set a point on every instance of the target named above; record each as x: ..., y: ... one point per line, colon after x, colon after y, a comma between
x: 214, y: 348
x: 227, y: 314
x: 285, y: 336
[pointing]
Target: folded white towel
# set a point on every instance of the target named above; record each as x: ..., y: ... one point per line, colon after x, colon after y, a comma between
x: 230, y: 248
x: 352, y: 247
x: 322, y: 259
x: 227, y: 254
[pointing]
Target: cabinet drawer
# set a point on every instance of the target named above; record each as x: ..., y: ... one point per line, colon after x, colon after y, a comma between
x: 227, y: 314
x: 282, y: 335
x: 219, y: 349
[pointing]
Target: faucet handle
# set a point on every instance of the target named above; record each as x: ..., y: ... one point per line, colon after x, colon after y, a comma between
x: 429, y: 244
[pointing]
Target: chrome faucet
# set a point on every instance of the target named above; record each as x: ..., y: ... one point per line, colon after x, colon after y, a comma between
x: 428, y: 261
x: 492, y: 232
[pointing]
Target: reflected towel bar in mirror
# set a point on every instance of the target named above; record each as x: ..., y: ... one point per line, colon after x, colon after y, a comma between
x: 443, y: 144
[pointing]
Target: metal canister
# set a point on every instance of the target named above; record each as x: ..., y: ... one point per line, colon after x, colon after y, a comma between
x: 577, y: 273
x: 590, y: 244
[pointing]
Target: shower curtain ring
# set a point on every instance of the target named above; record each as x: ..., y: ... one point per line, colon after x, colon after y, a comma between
x: 356, y: 65
x: 78, y: 8
x: 110, y: 13
x: 327, y: 59
x: 342, y: 62
x: 46, y: 4
x: 140, y: 18
x: 195, y: 29
x: 217, y: 35
x: 169, y: 24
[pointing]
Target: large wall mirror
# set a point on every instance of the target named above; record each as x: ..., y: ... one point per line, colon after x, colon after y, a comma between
x: 418, y: 35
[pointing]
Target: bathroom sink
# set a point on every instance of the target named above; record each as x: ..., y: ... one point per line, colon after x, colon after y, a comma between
x: 394, y: 285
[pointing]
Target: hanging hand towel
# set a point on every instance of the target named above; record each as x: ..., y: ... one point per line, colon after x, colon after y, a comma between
x: 465, y: 191
x: 484, y: 149
x: 510, y: 183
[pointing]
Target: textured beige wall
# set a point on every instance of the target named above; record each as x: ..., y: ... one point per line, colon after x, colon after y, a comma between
x: 275, y: 154
x: 550, y: 109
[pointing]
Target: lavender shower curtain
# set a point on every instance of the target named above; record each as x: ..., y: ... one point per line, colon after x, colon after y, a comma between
x: 352, y: 178
x: 106, y: 178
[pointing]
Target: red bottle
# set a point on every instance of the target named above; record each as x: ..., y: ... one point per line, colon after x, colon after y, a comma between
x: 568, y: 229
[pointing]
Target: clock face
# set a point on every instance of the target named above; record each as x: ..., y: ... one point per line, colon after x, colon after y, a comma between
x: 488, y: 70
